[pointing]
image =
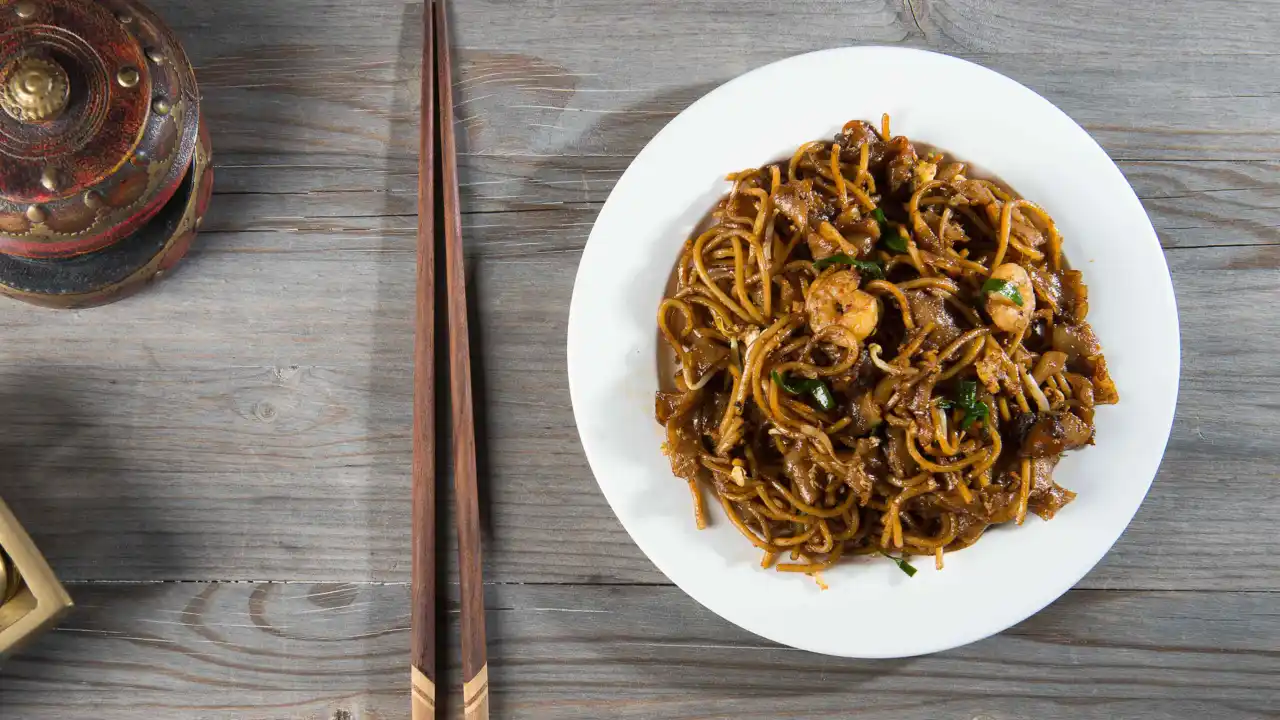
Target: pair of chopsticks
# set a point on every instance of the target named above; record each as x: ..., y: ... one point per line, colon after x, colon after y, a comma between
x: 438, y: 135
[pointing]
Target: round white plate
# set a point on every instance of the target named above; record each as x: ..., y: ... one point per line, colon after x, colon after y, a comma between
x: 872, y: 610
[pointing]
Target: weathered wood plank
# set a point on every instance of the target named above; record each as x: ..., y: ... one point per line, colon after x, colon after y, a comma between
x: 1208, y: 108
x: 333, y: 652
x: 1009, y: 26
x: 326, y: 98
x: 1191, y: 204
x: 255, y: 422
x: 249, y: 418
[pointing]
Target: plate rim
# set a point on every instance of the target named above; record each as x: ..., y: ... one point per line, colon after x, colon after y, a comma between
x: 1066, y: 580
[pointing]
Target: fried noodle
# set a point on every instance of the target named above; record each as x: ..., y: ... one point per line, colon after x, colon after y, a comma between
x: 859, y: 363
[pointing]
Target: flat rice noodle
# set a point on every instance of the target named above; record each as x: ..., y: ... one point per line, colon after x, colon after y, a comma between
x: 929, y: 308
x: 799, y: 467
x: 1077, y: 295
x: 854, y: 137
x: 1077, y: 341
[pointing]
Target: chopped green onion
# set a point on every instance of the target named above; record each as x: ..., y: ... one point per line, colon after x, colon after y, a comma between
x: 872, y: 269
x: 1003, y: 287
x: 800, y: 386
x: 889, y: 233
x: 822, y: 394
x: 896, y: 242
x: 902, y: 564
x: 967, y: 401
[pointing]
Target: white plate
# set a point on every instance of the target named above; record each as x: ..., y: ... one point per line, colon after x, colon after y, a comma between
x: 872, y: 610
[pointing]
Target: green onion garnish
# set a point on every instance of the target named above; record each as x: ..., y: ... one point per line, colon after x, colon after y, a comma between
x: 967, y: 401
x: 1003, y: 287
x: 801, y: 385
x: 902, y: 564
x: 889, y: 233
x: 872, y: 269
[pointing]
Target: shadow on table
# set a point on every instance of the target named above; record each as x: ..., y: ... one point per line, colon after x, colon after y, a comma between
x: 62, y: 473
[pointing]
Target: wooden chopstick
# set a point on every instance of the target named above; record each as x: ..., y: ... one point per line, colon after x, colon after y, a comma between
x: 423, y: 623
x: 475, y: 664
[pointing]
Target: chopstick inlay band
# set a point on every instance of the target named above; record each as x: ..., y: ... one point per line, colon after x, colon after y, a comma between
x: 424, y: 696
x: 475, y: 695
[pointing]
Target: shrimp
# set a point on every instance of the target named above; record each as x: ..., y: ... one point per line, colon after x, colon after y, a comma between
x: 1005, y: 313
x: 835, y: 299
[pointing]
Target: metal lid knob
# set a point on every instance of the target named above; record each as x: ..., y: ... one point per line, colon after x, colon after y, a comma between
x: 34, y: 90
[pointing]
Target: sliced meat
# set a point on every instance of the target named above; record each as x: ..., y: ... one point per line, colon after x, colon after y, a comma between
x: 1055, y: 433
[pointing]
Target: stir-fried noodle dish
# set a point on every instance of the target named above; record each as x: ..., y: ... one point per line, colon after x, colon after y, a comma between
x: 876, y: 352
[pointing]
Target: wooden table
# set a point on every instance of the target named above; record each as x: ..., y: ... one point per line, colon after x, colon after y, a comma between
x: 220, y: 466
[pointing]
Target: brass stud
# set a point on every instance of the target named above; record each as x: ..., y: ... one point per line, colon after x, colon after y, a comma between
x: 25, y: 9
x: 155, y: 56
x: 93, y: 200
x: 128, y: 77
x: 36, y: 91
x: 161, y: 106
x: 37, y: 214
x: 124, y: 18
x: 49, y: 178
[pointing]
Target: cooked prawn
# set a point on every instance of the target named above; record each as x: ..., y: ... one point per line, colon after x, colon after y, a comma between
x: 1008, y: 315
x: 835, y: 299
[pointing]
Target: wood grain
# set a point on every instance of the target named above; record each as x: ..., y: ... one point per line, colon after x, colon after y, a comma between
x: 310, y: 105
x: 1191, y: 204
x: 475, y: 659
x: 423, y: 468
x: 250, y: 419
x: 326, y: 652
x: 186, y: 470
